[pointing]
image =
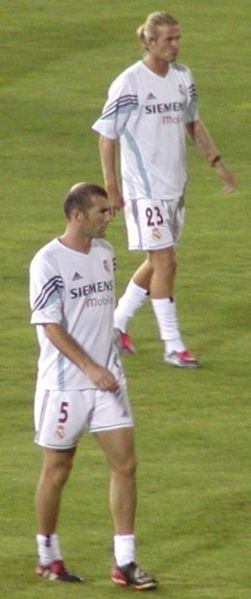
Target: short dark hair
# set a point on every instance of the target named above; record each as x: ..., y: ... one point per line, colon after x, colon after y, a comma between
x: 80, y: 196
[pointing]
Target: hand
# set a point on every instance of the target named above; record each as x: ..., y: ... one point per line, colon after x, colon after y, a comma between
x: 228, y: 177
x: 102, y: 377
x: 118, y: 202
x: 116, y: 198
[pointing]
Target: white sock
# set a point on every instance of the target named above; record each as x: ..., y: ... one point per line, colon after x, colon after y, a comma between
x: 128, y: 304
x: 124, y: 549
x: 165, y: 313
x: 48, y: 549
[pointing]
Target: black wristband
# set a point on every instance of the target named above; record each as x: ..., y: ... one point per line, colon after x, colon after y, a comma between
x: 215, y: 159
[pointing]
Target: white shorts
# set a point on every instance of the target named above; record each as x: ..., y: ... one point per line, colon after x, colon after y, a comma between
x: 153, y: 225
x: 61, y: 417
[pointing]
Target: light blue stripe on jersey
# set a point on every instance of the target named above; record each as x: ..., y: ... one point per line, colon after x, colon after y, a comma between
x: 136, y: 151
x: 125, y: 104
x: 49, y: 293
x: 60, y: 365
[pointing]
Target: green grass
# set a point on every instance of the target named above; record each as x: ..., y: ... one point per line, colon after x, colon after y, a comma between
x: 192, y: 428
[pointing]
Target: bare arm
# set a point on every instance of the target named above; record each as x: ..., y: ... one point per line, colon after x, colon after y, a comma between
x: 102, y: 378
x: 202, y: 140
x: 107, y: 148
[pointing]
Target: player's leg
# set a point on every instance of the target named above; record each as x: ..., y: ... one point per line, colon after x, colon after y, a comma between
x: 162, y: 284
x: 118, y: 447
x: 147, y: 227
x: 133, y: 298
x: 54, y: 474
x: 164, y: 266
x: 142, y: 276
x: 159, y: 225
x: 161, y: 292
x: 55, y: 423
x: 164, y: 307
x: 137, y: 289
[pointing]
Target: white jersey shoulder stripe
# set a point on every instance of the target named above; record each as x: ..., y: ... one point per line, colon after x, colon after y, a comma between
x: 121, y: 104
x: 51, y: 287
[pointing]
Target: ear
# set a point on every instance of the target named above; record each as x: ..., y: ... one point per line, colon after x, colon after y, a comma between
x: 79, y: 215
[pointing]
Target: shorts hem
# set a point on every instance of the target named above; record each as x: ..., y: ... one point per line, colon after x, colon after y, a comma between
x: 152, y: 249
x: 110, y: 427
x: 56, y: 447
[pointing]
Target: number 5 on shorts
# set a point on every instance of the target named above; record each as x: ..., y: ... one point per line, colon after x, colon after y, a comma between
x: 64, y: 412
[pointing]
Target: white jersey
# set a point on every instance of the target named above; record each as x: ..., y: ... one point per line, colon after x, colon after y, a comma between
x: 75, y: 290
x: 148, y: 113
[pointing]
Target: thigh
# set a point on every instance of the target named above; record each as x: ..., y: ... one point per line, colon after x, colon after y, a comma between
x: 61, y: 417
x: 118, y: 447
x: 150, y: 224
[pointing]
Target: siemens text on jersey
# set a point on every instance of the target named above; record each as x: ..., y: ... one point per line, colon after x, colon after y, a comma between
x: 163, y: 107
x: 98, y: 287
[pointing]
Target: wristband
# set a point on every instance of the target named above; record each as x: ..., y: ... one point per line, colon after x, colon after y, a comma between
x: 215, y: 159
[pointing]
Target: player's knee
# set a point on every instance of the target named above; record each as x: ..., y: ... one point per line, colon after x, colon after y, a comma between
x: 131, y: 465
x: 58, y: 474
x: 126, y: 467
x: 165, y: 265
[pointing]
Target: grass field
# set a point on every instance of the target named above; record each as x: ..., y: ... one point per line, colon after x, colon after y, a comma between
x: 192, y: 428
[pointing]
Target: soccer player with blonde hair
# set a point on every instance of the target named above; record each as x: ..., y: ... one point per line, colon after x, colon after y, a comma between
x: 150, y: 108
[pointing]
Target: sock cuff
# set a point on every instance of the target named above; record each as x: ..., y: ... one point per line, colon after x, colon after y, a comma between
x: 48, y: 540
x: 130, y: 537
x: 163, y: 300
x: 163, y: 304
x: 140, y: 291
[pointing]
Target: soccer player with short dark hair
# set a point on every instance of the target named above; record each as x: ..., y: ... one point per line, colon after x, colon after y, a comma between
x: 81, y: 384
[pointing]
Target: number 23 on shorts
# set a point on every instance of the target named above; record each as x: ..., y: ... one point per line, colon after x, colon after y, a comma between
x: 154, y: 216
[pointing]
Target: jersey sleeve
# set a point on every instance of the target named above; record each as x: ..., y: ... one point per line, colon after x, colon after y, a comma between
x: 46, y: 292
x: 192, y: 111
x: 122, y: 100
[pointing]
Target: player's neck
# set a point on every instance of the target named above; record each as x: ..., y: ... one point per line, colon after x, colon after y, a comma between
x: 157, y: 65
x: 76, y: 242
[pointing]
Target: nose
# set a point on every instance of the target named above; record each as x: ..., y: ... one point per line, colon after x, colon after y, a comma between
x: 108, y: 215
x: 175, y: 44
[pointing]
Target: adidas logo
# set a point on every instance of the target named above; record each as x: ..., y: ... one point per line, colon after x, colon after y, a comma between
x: 76, y: 277
x: 151, y: 96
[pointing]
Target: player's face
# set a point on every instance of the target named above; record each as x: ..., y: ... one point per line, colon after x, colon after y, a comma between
x: 166, y: 44
x: 97, y: 217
